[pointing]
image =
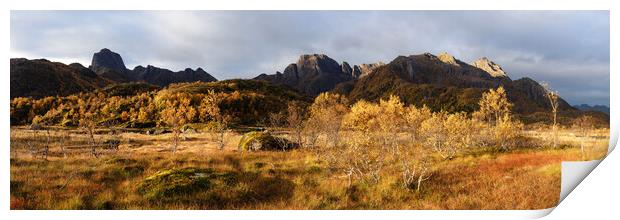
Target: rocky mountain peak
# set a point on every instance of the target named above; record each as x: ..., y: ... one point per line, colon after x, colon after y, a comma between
x: 365, y: 69
x: 346, y: 68
x: 318, y: 64
x: 312, y: 74
x: 447, y: 58
x: 107, y: 59
x: 429, y: 55
x: 490, y: 67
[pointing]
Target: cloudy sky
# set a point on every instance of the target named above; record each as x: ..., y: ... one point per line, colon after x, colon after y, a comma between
x: 567, y: 49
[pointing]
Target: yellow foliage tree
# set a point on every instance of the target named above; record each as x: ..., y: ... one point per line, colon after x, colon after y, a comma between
x: 391, y: 120
x: 176, y: 114
x: 326, y: 113
x: 414, y: 117
x: 210, y: 110
x: 494, y: 105
x: 495, y: 108
x: 361, y: 157
x: 436, y: 134
x: 507, y: 131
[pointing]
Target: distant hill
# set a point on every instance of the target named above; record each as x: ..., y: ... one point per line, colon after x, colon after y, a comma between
x: 239, y: 85
x: 137, y: 105
x: 248, y: 101
x: 163, y: 77
x: 596, y: 108
x: 41, y: 78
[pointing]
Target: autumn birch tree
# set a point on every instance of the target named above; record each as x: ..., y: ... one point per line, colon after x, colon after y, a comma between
x: 583, y: 125
x: 496, y: 110
x: 89, y: 113
x: 294, y: 120
x: 210, y: 109
x: 391, y: 121
x: 326, y: 113
x: 552, y: 97
x: 177, y: 112
x: 414, y: 117
x: 494, y: 105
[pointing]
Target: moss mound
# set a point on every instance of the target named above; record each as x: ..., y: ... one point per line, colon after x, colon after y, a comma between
x: 257, y: 140
x: 177, y: 185
x: 210, y: 189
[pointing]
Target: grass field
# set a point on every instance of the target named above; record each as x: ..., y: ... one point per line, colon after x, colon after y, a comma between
x: 144, y: 174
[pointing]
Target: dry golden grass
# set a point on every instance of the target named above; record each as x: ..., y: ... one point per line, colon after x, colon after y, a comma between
x: 521, y: 179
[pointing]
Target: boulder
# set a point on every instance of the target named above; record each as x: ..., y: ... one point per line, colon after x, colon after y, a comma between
x: 254, y: 141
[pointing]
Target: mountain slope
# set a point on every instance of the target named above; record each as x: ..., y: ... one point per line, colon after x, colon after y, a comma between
x: 445, y: 83
x: 41, y: 78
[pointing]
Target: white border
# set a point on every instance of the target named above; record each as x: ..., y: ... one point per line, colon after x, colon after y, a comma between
x: 286, y: 5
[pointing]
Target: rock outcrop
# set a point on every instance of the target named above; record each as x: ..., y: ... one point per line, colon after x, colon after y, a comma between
x: 346, y: 69
x: 448, y: 59
x: 106, y: 59
x: 312, y: 74
x: 365, y: 69
x: 490, y: 67
x: 529, y: 96
x: 444, y: 70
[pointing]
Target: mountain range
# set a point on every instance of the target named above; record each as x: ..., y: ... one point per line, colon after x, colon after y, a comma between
x: 441, y: 82
x: 39, y: 78
x: 596, y: 108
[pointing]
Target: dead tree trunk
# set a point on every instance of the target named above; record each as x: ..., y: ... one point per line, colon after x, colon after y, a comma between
x: 93, y: 144
x: 175, y: 140
x: 62, y: 141
x: 222, y: 132
x: 46, y: 149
